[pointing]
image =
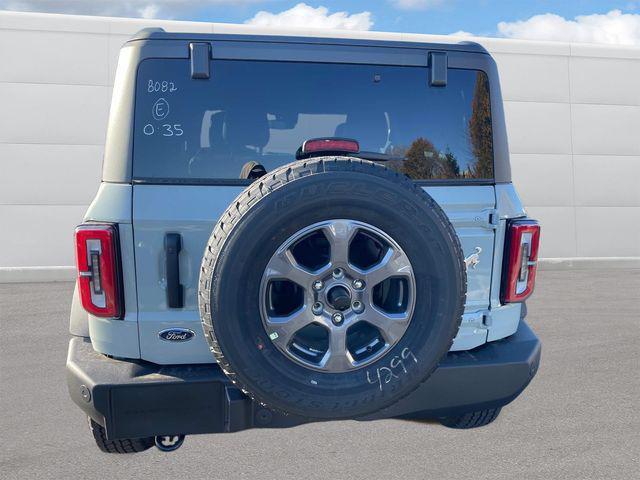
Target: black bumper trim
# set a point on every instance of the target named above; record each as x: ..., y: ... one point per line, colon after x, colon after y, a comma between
x: 139, y: 399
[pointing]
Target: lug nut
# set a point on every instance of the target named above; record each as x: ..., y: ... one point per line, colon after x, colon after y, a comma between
x: 318, y: 285
x: 337, y: 273
x: 358, y: 284
x: 317, y: 308
x: 337, y: 318
x: 358, y: 306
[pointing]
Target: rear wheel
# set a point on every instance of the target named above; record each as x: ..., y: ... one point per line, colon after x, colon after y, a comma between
x: 126, y: 445
x: 472, y: 419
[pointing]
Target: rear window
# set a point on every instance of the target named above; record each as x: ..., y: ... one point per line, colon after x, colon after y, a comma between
x: 262, y: 111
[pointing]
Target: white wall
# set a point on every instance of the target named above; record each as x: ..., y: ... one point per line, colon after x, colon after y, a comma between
x: 573, y: 117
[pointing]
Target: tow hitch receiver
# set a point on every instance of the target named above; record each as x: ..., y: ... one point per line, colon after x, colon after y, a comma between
x: 169, y: 443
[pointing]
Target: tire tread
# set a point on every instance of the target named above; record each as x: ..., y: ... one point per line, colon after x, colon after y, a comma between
x: 476, y: 419
x: 125, y: 445
x: 265, y: 186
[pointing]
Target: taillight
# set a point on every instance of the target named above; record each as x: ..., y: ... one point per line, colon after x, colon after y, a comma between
x: 98, y: 270
x: 521, y: 260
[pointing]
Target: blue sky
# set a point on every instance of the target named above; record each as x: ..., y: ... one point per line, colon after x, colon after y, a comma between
x: 596, y: 21
x: 477, y: 16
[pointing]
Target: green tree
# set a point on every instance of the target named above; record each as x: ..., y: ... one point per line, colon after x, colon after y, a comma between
x: 450, y: 166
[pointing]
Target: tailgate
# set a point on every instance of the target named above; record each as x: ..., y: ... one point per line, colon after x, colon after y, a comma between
x: 191, y: 211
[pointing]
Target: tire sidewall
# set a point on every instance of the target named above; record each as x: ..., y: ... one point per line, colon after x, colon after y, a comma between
x: 410, y: 219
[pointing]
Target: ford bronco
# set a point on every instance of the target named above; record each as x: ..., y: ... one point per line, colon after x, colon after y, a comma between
x: 297, y: 229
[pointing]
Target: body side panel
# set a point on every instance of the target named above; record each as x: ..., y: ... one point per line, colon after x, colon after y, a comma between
x: 503, y: 319
x: 117, y: 337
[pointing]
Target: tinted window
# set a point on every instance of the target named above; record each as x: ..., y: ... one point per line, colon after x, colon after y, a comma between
x: 263, y: 111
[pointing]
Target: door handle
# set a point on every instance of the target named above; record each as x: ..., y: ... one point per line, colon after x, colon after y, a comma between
x: 172, y: 247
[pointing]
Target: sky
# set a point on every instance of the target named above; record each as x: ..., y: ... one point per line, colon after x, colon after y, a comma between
x: 591, y: 21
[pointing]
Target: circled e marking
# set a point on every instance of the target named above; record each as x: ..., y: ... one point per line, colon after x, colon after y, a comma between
x: 160, y: 109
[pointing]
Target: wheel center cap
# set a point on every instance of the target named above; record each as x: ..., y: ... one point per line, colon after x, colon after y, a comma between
x: 339, y: 297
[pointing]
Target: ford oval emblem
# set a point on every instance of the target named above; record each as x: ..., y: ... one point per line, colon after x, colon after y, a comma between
x: 176, y: 334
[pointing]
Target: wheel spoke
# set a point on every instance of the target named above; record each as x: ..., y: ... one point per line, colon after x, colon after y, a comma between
x: 391, y: 325
x: 282, y: 329
x: 393, y: 264
x: 284, y: 266
x: 339, y: 233
x: 318, y: 294
x: 337, y: 357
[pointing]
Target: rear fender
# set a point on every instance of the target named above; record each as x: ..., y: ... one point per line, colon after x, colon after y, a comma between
x: 117, y: 337
x: 78, y: 319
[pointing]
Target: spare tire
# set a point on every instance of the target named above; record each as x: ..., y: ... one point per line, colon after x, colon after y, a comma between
x: 331, y: 288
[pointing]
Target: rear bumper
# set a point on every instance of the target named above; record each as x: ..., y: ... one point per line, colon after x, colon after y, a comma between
x: 139, y: 399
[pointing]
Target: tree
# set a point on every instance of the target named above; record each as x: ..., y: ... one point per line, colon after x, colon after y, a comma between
x: 420, y: 160
x: 450, y: 167
x: 480, y: 131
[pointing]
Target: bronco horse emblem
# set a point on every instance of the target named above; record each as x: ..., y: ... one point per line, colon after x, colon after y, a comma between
x: 473, y: 259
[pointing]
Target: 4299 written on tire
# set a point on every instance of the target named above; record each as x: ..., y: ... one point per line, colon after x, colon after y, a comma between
x: 331, y: 288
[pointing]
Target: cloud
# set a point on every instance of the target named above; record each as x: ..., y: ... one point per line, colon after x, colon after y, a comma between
x: 615, y: 28
x: 303, y: 15
x: 118, y: 8
x: 416, y: 4
x: 461, y: 33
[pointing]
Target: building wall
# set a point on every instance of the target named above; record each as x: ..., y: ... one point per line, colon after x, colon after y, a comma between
x: 573, y: 117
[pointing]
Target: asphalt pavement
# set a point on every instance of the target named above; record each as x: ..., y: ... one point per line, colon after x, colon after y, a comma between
x: 579, y: 418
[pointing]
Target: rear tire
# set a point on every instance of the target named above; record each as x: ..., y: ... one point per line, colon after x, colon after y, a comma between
x: 472, y: 419
x: 125, y: 445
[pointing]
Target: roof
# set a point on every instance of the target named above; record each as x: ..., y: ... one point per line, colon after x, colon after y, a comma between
x: 324, y: 37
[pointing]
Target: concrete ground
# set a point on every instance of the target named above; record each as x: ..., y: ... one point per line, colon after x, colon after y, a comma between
x: 578, y: 419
